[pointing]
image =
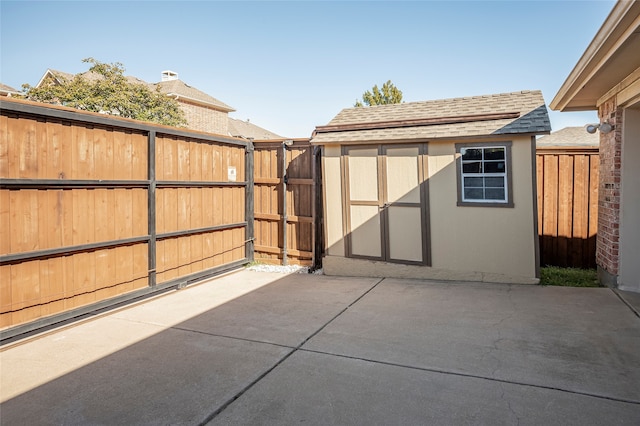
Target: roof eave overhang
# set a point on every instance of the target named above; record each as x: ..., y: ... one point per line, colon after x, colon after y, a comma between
x: 592, y: 77
x: 450, y: 138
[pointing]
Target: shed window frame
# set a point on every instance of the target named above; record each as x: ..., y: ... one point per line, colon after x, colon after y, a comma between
x: 484, y: 175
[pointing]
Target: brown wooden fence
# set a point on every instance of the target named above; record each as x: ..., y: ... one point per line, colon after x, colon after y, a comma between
x: 567, y: 205
x: 285, y: 227
x: 96, y: 210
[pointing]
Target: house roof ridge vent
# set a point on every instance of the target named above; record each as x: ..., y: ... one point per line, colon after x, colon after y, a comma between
x: 169, y: 75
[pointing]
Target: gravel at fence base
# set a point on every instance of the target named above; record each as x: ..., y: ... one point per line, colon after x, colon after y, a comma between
x: 290, y: 269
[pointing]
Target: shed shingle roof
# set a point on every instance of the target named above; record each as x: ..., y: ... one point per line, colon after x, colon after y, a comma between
x: 521, y: 112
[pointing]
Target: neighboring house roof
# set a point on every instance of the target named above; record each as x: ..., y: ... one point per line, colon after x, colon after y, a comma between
x: 180, y: 90
x: 60, y: 76
x: 7, y: 90
x: 245, y: 129
x: 500, y: 114
x: 569, y: 137
x: 609, y: 65
x: 57, y: 76
x: 175, y: 88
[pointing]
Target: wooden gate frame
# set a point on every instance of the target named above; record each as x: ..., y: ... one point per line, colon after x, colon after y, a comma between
x: 280, y: 182
x: 35, y: 110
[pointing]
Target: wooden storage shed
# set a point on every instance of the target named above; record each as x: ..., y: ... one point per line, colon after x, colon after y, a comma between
x: 442, y: 189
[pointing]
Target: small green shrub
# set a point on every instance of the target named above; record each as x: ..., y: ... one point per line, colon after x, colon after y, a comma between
x: 568, y: 277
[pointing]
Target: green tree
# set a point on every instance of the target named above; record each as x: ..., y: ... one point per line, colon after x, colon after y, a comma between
x: 389, y: 94
x: 105, y: 89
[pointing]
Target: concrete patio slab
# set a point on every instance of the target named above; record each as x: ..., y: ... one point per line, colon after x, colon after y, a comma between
x: 31, y: 363
x: 631, y: 299
x: 285, y: 312
x: 320, y: 389
x: 174, y: 377
x: 580, y: 340
x: 267, y: 348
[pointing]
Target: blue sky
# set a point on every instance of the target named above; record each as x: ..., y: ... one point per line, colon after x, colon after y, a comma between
x: 290, y: 66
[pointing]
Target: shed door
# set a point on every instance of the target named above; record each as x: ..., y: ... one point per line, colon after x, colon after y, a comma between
x: 386, y: 214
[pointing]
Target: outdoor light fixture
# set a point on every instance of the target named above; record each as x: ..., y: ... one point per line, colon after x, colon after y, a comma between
x: 288, y: 142
x: 603, y: 127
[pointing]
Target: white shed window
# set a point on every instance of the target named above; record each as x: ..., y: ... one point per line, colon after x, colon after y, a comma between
x: 483, y: 174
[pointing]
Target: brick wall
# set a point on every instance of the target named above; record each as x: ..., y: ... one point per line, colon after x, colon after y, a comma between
x: 609, y: 189
x: 205, y: 119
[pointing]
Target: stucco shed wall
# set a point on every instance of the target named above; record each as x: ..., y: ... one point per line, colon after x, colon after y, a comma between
x: 482, y: 239
x: 494, y: 244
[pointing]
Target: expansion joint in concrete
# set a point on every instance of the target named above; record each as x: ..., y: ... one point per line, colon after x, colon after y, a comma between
x: 226, y: 404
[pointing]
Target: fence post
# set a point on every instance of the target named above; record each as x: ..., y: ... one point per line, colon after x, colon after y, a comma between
x: 249, y: 200
x: 285, y: 178
x: 317, y: 209
x: 151, y: 206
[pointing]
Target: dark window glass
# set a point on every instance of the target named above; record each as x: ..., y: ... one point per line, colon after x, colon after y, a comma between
x: 494, y: 154
x: 494, y: 182
x: 473, y: 193
x: 471, y: 154
x: 475, y: 167
x: 494, y: 193
x: 473, y: 182
x: 494, y: 167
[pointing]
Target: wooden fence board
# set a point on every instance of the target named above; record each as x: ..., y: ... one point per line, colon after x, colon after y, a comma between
x: 68, y: 169
x: 195, y: 169
x: 170, y: 210
x: 4, y: 146
x: 594, y: 170
x: 139, y: 156
x: 5, y: 223
x: 6, y: 298
x: 196, y: 253
x: 42, y: 149
x: 567, y: 206
x: 140, y: 266
x: 184, y: 215
x: 28, y: 150
x: 208, y: 252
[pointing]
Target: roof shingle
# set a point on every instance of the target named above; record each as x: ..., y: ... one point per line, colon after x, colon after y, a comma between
x: 476, y: 117
x: 245, y: 129
x: 180, y: 88
x: 569, y: 136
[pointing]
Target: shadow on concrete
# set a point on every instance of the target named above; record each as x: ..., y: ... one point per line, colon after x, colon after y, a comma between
x: 338, y: 350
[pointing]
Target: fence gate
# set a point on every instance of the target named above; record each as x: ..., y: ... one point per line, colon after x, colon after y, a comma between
x: 568, y: 205
x: 286, y: 177
x: 96, y: 210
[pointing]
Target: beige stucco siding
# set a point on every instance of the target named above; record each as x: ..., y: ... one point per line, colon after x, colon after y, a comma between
x: 332, y: 176
x: 486, y: 239
x: 496, y: 244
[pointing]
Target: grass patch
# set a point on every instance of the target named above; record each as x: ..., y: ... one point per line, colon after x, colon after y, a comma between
x: 568, y: 277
